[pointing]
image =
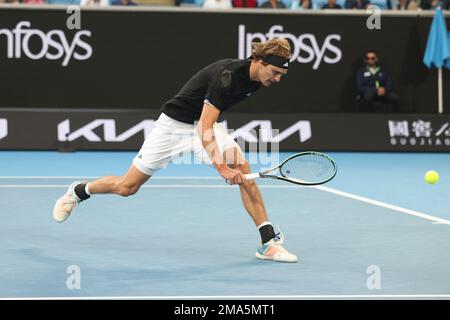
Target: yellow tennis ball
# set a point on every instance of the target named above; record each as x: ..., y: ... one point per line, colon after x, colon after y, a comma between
x: 431, y: 177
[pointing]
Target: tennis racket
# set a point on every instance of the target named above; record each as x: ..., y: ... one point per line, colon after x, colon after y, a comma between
x: 305, y: 168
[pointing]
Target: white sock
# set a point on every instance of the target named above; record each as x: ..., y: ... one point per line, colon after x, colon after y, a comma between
x: 86, y: 189
x: 265, y: 223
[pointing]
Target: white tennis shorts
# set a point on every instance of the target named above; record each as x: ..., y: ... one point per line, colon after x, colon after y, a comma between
x: 171, y: 139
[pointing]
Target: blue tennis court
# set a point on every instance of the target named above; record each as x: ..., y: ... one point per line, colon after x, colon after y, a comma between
x: 186, y: 234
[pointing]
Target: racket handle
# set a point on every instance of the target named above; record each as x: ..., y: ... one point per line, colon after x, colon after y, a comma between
x: 252, y: 176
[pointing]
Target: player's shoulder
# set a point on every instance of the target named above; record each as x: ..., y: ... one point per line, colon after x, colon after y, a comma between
x: 228, y: 70
x: 234, y: 65
x: 227, y: 65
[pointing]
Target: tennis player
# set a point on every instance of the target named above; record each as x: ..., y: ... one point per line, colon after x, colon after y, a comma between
x: 188, y: 122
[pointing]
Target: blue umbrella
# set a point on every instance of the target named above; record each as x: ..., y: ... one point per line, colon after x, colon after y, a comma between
x: 448, y: 61
x: 437, y: 51
x: 438, y: 44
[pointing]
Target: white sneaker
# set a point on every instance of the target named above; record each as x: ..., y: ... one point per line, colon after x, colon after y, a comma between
x: 274, y: 250
x: 66, y: 203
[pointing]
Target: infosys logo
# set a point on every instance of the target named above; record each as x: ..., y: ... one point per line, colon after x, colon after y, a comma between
x: 306, y: 47
x: 53, y: 44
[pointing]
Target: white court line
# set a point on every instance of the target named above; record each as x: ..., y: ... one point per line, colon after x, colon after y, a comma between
x: 323, y: 188
x: 353, y: 296
x: 384, y: 205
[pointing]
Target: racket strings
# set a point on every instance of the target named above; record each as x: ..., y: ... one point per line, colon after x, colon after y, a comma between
x: 308, y: 168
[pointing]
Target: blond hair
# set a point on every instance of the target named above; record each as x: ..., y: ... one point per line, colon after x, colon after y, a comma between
x: 277, y: 46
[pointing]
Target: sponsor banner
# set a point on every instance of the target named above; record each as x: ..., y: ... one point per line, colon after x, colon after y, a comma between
x: 126, y: 130
x: 306, y: 47
x: 141, y: 62
x: 53, y: 45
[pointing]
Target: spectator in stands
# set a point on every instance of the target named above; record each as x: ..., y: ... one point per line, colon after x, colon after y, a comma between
x: 245, y: 3
x: 356, y: 4
x: 101, y: 3
x: 444, y: 4
x: 123, y: 3
x: 273, y: 4
x: 331, y: 4
x: 217, y: 4
x: 33, y: 2
x: 301, y: 5
x: 375, y: 86
x: 407, y: 5
x: 434, y: 4
x: 64, y: 2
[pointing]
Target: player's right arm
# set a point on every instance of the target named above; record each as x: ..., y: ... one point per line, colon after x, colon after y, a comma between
x: 209, y: 116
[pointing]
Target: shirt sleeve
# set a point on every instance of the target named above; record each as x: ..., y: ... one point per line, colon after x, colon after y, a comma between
x: 219, y: 90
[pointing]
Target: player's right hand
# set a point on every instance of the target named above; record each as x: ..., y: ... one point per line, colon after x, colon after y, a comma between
x: 232, y: 176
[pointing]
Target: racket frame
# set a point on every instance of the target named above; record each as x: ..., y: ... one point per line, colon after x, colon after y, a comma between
x: 264, y: 174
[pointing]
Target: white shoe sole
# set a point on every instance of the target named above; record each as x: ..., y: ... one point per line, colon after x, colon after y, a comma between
x: 260, y: 256
x: 59, y: 214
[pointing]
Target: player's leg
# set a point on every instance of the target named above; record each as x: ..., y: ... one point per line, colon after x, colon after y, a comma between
x: 251, y: 196
x: 156, y: 153
x: 125, y: 185
x: 271, y: 244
